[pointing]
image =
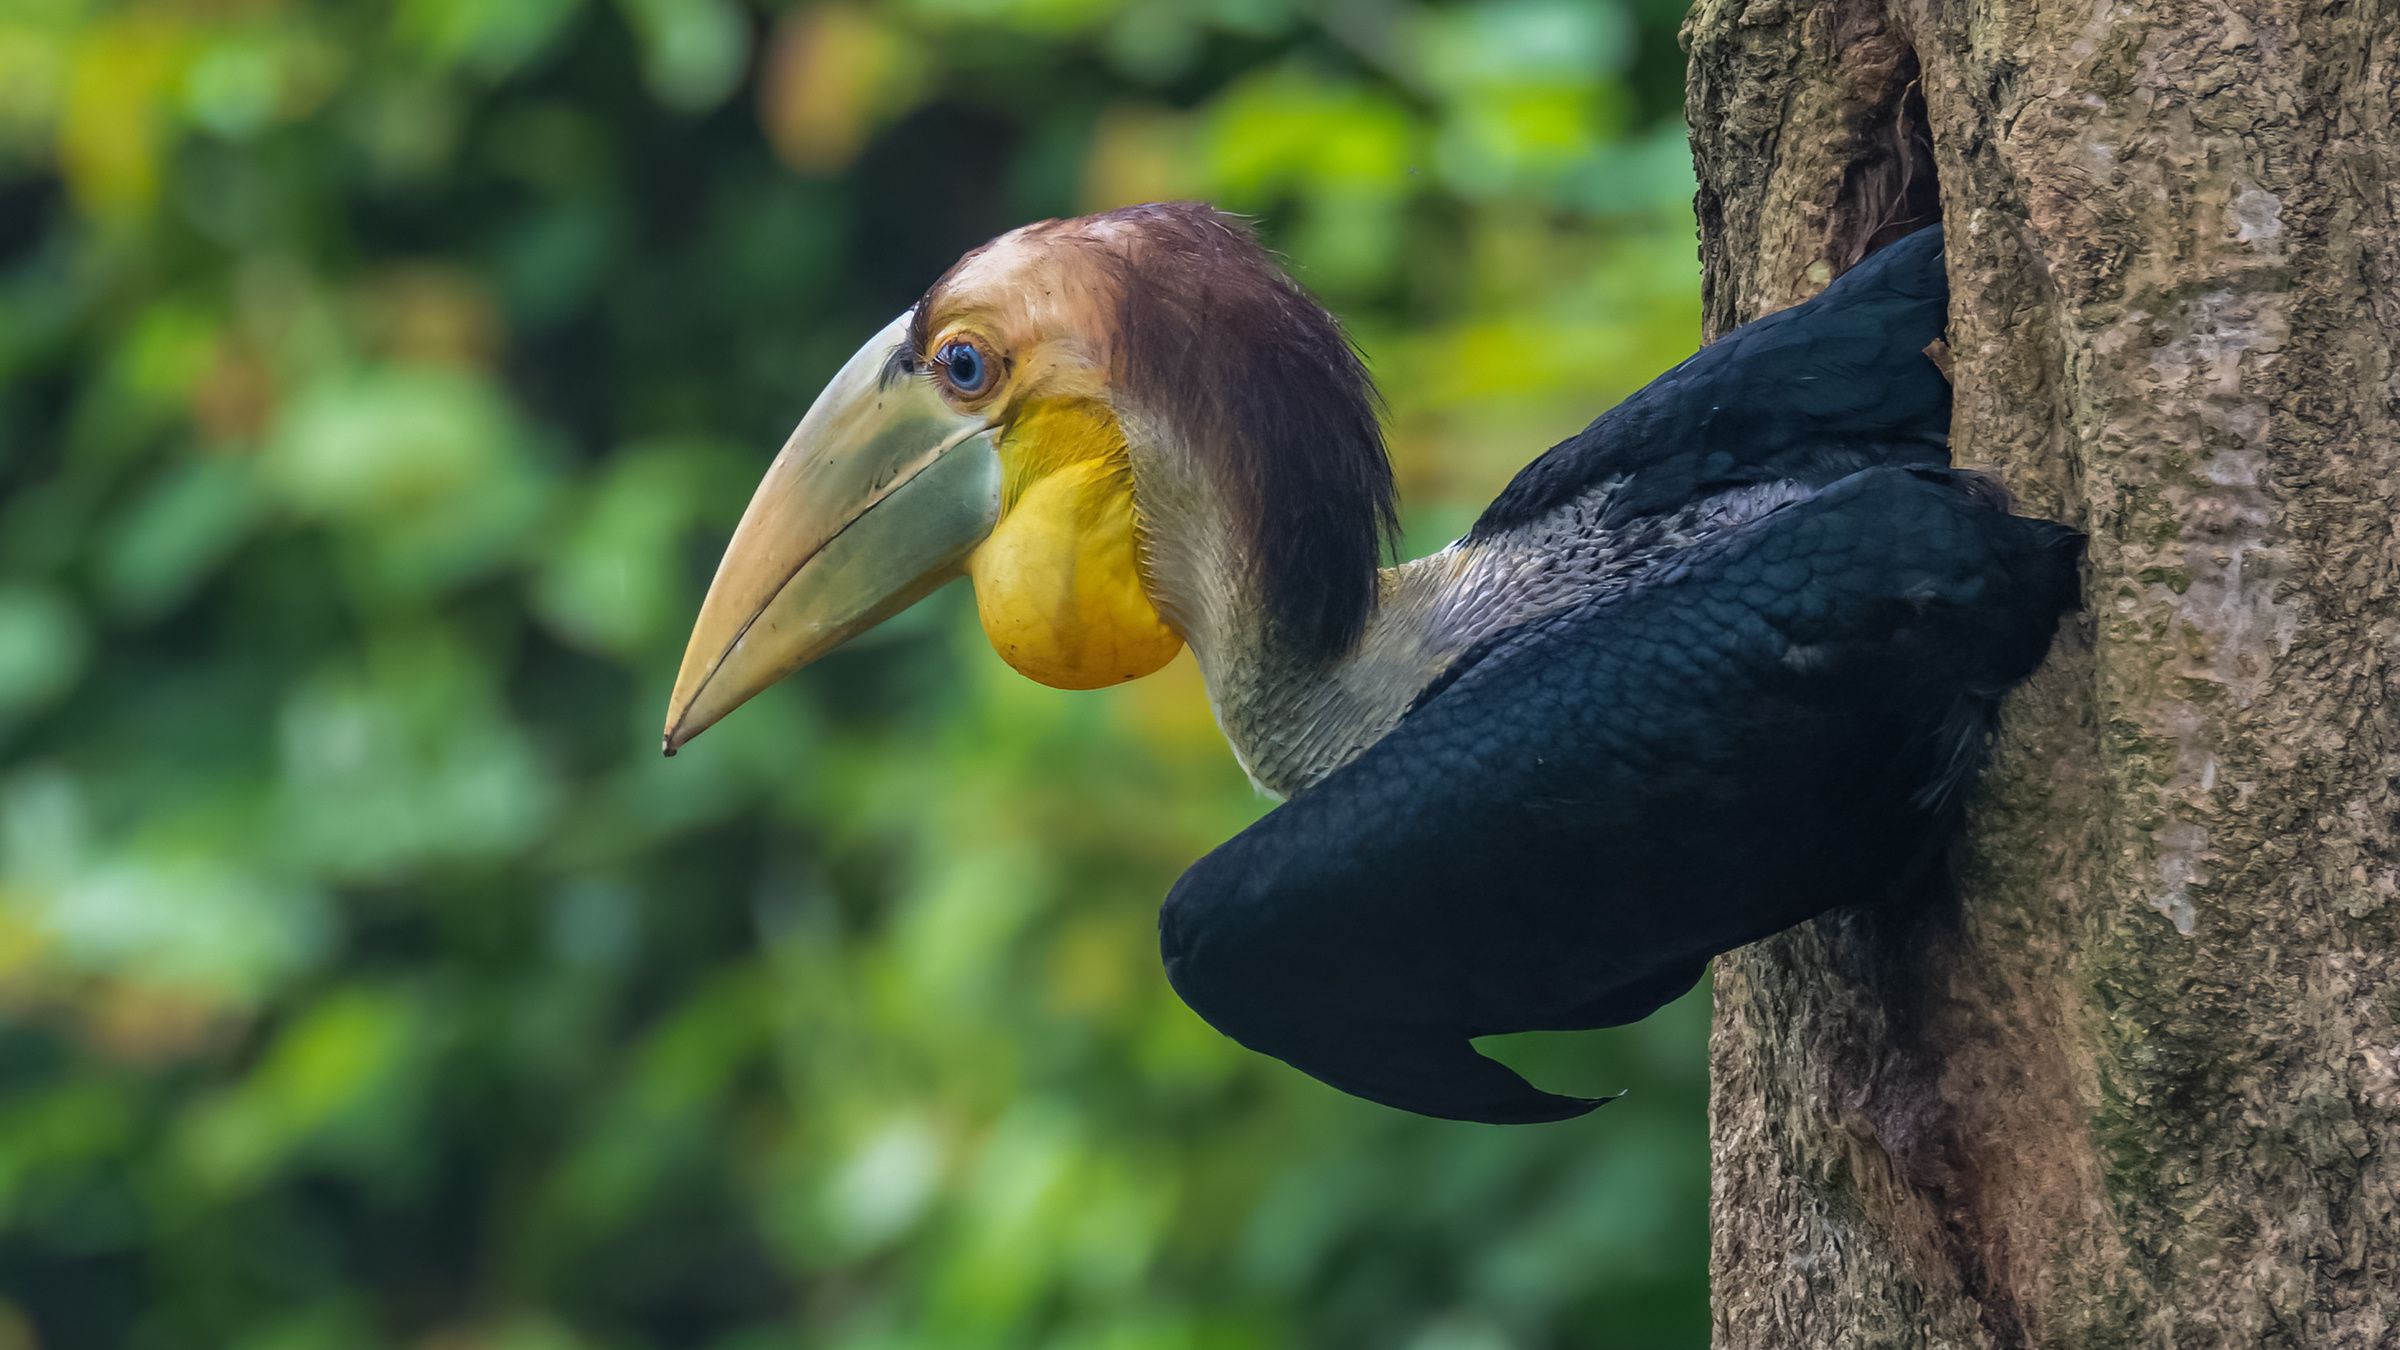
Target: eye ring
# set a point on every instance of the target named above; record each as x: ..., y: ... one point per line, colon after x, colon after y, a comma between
x: 965, y: 367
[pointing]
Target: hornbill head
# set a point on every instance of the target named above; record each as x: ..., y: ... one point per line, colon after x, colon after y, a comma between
x: 1113, y: 425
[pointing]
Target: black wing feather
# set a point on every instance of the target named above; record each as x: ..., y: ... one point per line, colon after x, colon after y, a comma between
x: 1835, y: 384
x: 1564, y: 835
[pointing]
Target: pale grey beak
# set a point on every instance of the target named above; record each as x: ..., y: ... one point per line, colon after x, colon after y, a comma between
x: 878, y: 497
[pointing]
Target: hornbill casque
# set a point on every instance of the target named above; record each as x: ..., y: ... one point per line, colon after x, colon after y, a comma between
x: 1722, y: 661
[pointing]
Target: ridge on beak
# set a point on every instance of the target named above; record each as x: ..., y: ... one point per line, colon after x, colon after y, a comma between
x: 876, y: 499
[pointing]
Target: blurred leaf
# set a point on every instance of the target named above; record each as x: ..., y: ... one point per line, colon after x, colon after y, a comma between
x: 42, y: 647
x: 1290, y: 129
x: 109, y: 128
x: 692, y: 50
x: 1056, y: 18
x: 1517, y: 43
x: 234, y: 85
x: 388, y: 442
x: 489, y: 40
x: 181, y: 529
x: 1139, y: 154
x: 315, y: 1088
x: 834, y: 75
x: 405, y: 762
x: 608, y: 582
x: 150, y: 910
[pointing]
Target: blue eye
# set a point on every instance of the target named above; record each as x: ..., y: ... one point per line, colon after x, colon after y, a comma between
x: 964, y: 366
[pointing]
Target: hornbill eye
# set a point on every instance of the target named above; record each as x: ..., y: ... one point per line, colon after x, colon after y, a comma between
x: 964, y: 367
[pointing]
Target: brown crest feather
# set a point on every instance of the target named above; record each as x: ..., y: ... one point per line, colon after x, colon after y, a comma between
x: 1271, y: 392
x: 1264, y: 387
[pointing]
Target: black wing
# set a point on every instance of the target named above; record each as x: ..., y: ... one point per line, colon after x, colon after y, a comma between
x: 1830, y: 386
x: 1563, y: 835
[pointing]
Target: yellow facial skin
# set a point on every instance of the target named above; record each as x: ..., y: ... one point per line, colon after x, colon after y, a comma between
x: 1058, y: 583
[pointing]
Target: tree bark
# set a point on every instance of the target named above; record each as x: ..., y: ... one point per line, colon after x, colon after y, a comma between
x: 2140, y: 1084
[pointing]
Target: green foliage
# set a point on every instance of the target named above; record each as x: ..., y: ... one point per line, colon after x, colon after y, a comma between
x: 376, y: 387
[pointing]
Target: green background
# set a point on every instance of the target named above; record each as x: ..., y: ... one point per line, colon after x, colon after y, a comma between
x: 377, y: 386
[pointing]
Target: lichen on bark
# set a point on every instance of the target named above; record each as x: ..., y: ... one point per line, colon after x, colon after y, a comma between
x: 2140, y: 1086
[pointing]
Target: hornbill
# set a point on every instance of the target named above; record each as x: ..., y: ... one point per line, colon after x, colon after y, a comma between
x: 1722, y: 661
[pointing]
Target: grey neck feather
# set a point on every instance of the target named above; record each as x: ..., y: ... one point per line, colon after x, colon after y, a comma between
x: 1291, y: 720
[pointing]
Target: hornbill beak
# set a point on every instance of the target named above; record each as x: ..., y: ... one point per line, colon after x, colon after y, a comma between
x: 878, y: 497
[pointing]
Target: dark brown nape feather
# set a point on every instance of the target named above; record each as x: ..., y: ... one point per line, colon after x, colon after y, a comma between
x: 1215, y: 339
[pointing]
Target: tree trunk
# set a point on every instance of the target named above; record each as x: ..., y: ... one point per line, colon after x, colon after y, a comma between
x: 2140, y: 1085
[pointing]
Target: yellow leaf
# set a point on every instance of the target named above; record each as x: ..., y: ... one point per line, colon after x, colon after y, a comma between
x: 833, y: 76
x: 1140, y: 153
x: 109, y: 136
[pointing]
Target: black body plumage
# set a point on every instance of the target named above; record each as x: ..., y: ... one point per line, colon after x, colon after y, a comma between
x: 1770, y: 721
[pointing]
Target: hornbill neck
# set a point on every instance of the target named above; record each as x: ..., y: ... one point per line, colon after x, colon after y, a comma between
x: 1292, y: 717
x: 1292, y: 713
